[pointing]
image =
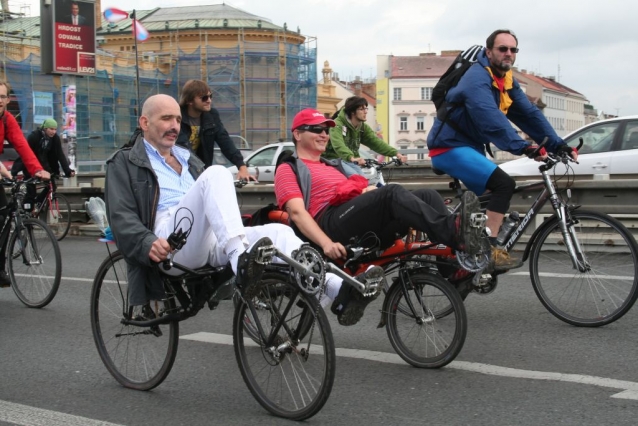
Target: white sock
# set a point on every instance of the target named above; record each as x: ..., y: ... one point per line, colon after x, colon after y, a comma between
x: 234, y: 248
x: 333, y: 284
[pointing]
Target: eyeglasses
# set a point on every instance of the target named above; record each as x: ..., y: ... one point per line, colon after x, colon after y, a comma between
x: 205, y: 98
x: 504, y: 49
x: 317, y: 130
x: 4, y: 97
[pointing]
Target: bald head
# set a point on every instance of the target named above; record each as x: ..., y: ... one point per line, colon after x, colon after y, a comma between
x: 160, y: 121
x: 157, y: 103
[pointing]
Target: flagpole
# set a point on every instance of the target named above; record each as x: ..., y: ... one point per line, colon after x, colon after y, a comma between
x: 137, y: 65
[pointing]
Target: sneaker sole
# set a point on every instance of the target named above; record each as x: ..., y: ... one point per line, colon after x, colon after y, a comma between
x: 353, y: 312
x: 471, y: 234
x: 254, y: 269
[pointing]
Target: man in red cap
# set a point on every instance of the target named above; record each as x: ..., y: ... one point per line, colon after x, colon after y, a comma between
x: 330, y: 207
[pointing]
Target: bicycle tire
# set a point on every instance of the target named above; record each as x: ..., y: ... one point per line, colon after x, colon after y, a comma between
x: 35, y: 263
x: 291, y: 383
x: 56, y: 213
x: 599, y: 296
x: 435, y: 336
x: 135, y: 357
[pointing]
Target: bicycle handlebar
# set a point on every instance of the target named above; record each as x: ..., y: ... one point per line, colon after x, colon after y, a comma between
x: 369, y: 163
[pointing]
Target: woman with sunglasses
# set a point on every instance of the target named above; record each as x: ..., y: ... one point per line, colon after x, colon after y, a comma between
x: 202, y: 127
x: 478, y: 111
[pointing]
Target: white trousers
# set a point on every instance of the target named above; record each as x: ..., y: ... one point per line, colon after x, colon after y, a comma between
x: 211, y: 211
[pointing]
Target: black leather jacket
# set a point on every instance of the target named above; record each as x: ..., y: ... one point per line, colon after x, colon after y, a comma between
x: 131, y: 193
x: 211, y: 131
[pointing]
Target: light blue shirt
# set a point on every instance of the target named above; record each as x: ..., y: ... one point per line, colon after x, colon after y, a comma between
x: 172, y: 185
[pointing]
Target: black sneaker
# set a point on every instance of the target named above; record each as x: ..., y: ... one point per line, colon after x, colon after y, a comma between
x: 349, y: 309
x: 146, y: 313
x: 250, y: 265
x: 5, y: 281
x: 470, y: 224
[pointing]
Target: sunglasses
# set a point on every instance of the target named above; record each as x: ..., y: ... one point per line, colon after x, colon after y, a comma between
x: 315, y: 129
x: 504, y: 49
x: 205, y: 98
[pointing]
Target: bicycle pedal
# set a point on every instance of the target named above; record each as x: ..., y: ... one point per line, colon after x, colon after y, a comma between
x: 265, y: 254
x: 478, y: 220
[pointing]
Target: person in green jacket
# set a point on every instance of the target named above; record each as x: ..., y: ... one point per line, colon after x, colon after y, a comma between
x: 351, y: 131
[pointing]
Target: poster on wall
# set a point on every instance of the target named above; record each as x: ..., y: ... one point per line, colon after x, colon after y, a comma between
x: 69, y: 129
x: 74, y: 37
x: 42, y: 107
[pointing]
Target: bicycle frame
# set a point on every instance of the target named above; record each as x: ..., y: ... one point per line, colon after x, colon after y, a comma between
x: 561, y: 211
x: 192, y: 303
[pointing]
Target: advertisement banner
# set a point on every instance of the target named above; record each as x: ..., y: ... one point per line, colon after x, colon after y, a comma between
x: 74, y: 37
x: 42, y: 107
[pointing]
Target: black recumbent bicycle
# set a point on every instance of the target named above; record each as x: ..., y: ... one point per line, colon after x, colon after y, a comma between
x: 287, y: 359
x: 34, y: 263
x: 583, y: 264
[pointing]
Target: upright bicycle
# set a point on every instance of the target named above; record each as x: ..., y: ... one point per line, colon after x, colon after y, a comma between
x: 54, y: 210
x: 583, y: 264
x: 33, y: 257
x: 288, y: 362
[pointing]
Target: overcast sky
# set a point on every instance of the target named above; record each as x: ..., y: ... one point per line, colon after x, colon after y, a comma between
x: 591, y: 46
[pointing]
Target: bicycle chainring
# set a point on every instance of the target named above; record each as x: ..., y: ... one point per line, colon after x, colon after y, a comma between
x: 315, y: 275
x: 477, y: 262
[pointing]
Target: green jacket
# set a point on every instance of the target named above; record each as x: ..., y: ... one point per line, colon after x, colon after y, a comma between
x: 345, y: 140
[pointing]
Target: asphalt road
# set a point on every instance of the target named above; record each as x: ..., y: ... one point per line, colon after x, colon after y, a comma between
x: 519, y: 366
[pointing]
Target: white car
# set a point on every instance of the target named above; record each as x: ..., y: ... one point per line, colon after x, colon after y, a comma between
x: 262, y: 163
x: 609, y: 147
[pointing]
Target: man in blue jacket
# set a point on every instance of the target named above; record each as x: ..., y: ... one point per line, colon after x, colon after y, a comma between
x: 478, y: 111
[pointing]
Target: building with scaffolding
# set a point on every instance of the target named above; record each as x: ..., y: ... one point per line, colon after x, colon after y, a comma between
x: 260, y: 74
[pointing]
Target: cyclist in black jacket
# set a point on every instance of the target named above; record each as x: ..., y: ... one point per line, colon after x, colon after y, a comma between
x: 47, y: 147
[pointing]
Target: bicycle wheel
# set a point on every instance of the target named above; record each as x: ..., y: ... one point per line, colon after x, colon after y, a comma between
x: 35, y: 264
x: 57, y: 215
x: 433, y: 334
x: 293, y: 377
x: 609, y: 287
x: 136, y: 357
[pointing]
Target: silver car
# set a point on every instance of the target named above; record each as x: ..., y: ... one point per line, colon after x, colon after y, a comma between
x: 609, y: 147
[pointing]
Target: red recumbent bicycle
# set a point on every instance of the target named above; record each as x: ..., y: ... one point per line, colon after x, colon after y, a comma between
x: 423, y: 314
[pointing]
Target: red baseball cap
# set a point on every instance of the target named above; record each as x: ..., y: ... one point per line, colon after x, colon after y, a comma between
x: 311, y: 117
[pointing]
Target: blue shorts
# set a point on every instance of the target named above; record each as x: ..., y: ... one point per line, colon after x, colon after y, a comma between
x: 467, y: 165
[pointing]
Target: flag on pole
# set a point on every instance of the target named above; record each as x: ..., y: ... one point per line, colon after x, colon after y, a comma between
x: 114, y: 15
x: 141, y: 33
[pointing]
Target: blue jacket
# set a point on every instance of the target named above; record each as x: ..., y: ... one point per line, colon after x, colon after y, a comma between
x: 478, y: 116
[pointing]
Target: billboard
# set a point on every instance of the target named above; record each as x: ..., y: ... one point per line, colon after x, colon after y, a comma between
x: 73, y: 37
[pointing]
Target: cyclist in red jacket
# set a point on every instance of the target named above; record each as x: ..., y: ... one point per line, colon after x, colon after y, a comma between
x: 10, y: 130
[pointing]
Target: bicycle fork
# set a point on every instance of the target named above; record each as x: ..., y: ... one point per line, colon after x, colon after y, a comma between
x: 566, y: 224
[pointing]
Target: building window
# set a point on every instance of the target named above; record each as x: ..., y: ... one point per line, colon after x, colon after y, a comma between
x: 420, y: 123
x: 426, y: 93
x: 397, y: 94
x: 403, y: 123
x: 421, y: 155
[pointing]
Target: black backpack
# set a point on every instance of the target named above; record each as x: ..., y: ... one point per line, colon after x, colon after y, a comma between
x: 450, y: 79
x: 453, y: 75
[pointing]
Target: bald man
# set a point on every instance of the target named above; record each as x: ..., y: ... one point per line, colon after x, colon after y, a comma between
x: 155, y: 186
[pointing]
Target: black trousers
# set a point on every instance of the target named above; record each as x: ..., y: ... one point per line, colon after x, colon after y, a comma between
x: 388, y: 212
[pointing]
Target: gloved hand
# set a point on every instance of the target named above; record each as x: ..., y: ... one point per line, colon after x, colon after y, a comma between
x: 529, y: 152
x: 566, y: 149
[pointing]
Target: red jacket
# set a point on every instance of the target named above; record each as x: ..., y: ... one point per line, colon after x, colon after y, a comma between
x: 10, y: 130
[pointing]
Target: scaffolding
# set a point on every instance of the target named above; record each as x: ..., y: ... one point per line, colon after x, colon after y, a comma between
x: 257, y: 88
